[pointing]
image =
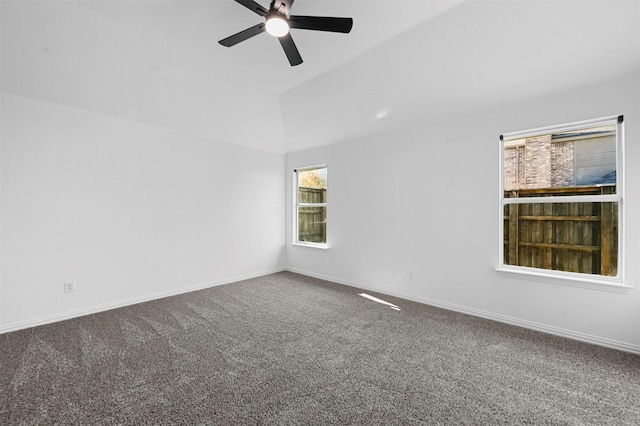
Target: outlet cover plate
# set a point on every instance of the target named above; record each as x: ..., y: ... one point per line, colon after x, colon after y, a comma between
x: 69, y: 286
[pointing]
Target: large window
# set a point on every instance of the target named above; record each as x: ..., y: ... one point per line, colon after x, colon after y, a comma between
x: 561, y: 192
x: 311, y: 206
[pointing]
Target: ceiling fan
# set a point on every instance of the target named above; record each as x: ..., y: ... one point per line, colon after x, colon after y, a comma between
x: 278, y: 21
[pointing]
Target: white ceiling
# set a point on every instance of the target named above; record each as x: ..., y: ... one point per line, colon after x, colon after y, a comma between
x: 158, y: 62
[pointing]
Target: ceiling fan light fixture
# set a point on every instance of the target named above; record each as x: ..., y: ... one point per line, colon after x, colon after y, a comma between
x: 277, y: 27
x: 278, y: 22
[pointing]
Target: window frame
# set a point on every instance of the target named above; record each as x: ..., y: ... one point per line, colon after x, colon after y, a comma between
x: 594, y: 281
x: 297, y: 205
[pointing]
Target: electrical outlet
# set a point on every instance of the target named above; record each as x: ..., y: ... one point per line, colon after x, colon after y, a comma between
x: 69, y: 286
x: 410, y: 275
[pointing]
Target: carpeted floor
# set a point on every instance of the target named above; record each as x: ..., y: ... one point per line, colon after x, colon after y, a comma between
x: 288, y: 349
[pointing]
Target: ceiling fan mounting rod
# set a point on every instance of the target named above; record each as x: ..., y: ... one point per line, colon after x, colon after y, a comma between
x: 280, y: 10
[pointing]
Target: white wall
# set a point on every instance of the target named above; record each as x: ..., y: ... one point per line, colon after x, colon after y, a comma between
x: 127, y: 210
x: 131, y: 211
x: 425, y: 200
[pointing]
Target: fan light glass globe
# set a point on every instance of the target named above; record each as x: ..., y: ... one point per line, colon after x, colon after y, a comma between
x: 277, y: 27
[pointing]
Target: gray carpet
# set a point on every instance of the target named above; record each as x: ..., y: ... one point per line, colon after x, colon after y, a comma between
x: 288, y: 349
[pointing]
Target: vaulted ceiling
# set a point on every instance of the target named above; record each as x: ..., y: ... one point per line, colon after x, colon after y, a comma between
x: 158, y: 62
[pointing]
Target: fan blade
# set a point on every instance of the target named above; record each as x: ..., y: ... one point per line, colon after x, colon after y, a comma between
x: 321, y: 23
x: 242, y: 35
x: 290, y: 50
x: 253, y: 6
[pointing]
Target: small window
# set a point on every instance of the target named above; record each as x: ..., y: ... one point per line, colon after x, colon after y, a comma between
x: 560, y: 197
x: 311, y: 205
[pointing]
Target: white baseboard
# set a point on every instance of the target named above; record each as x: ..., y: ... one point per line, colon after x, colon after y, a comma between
x: 601, y: 341
x: 6, y: 328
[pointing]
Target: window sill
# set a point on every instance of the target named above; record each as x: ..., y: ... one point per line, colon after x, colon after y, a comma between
x: 613, y: 285
x: 312, y: 245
